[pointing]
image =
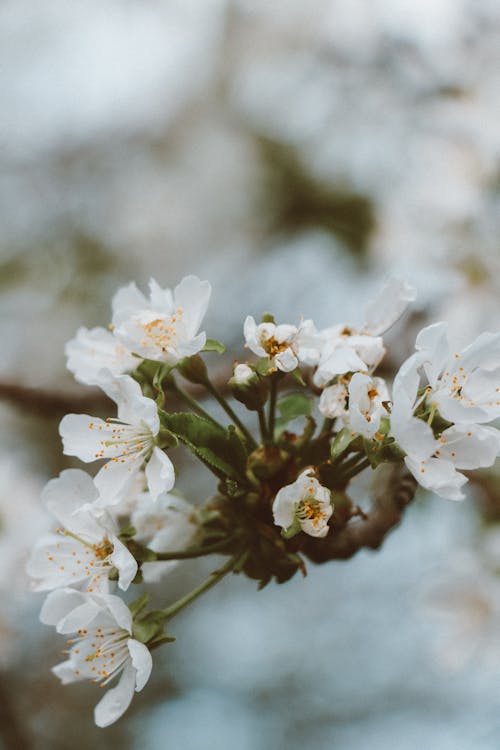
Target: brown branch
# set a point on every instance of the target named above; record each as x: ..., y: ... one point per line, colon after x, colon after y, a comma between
x: 396, y: 491
x: 49, y: 403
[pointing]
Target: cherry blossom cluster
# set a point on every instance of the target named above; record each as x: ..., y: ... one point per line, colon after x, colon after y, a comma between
x: 282, y: 491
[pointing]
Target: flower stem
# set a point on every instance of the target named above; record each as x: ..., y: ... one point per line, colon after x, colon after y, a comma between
x: 229, y: 411
x: 353, y: 469
x: 195, y: 406
x: 263, y: 426
x: 199, y: 551
x: 273, y: 392
x: 211, y: 581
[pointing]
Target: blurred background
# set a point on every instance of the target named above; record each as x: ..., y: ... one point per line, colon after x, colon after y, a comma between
x: 295, y: 154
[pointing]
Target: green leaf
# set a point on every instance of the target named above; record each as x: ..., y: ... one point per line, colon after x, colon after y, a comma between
x: 342, y: 441
x: 219, y: 448
x: 212, y: 345
x: 294, y: 405
x: 138, y: 605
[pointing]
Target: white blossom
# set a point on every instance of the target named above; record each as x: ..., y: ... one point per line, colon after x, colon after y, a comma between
x: 167, y: 524
x: 333, y: 401
x: 95, y: 354
x: 286, y: 345
x: 366, y: 403
x: 165, y: 326
x: 434, y: 459
x: 304, y: 505
x: 127, y: 442
x: 347, y: 348
x: 86, y: 549
x: 465, y: 385
x: 102, y: 648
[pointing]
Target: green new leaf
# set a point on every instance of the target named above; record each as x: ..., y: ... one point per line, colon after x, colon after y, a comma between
x: 342, y: 441
x: 292, y: 406
x: 212, y: 345
x: 220, y: 449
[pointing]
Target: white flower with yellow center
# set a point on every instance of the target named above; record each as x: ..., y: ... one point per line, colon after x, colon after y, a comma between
x: 286, y: 345
x: 350, y: 349
x: 464, y: 386
x: 101, y: 649
x: 95, y: 354
x: 304, y: 505
x: 128, y: 442
x: 165, y: 326
x: 434, y: 460
x: 366, y: 403
x: 85, y: 550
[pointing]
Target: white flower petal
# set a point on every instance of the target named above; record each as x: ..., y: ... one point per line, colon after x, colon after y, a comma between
x: 127, y: 300
x: 141, y: 661
x: 82, y: 436
x: 286, y: 361
x: 388, y: 306
x: 192, y: 295
x: 160, y: 473
x: 116, y: 700
x: 133, y: 407
x: 124, y: 562
x: 66, y: 495
x: 59, y: 603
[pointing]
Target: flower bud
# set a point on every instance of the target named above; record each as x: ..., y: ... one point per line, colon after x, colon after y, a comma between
x: 248, y: 388
x: 193, y: 369
x: 266, y: 461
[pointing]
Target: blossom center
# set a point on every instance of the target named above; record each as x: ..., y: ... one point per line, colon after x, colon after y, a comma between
x: 310, y: 509
x: 162, y: 332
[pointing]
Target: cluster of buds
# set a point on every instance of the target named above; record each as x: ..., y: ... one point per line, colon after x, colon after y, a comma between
x: 282, y: 495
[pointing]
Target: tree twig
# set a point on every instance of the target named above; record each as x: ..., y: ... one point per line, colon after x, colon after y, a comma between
x: 397, y: 489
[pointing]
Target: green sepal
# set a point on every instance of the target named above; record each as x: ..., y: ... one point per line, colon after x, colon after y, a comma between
x: 127, y: 532
x: 291, y: 531
x: 263, y: 366
x: 297, y: 376
x: 342, y: 441
x: 212, y: 345
x: 148, y: 627
x: 162, y: 638
x: 138, y: 605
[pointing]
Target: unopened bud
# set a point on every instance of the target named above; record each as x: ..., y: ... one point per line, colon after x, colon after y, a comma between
x: 248, y: 387
x: 193, y: 369
x: 266, y: 461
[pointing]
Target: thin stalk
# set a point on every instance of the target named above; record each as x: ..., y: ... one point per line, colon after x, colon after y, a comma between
x: 263, y: 426
x: 231, y: 414
x: 195, y: 406
x: 327, y: 425
x: 192, y: 552
x: 213, y: 579
x: 273, y: 392
x: 357, y: 469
